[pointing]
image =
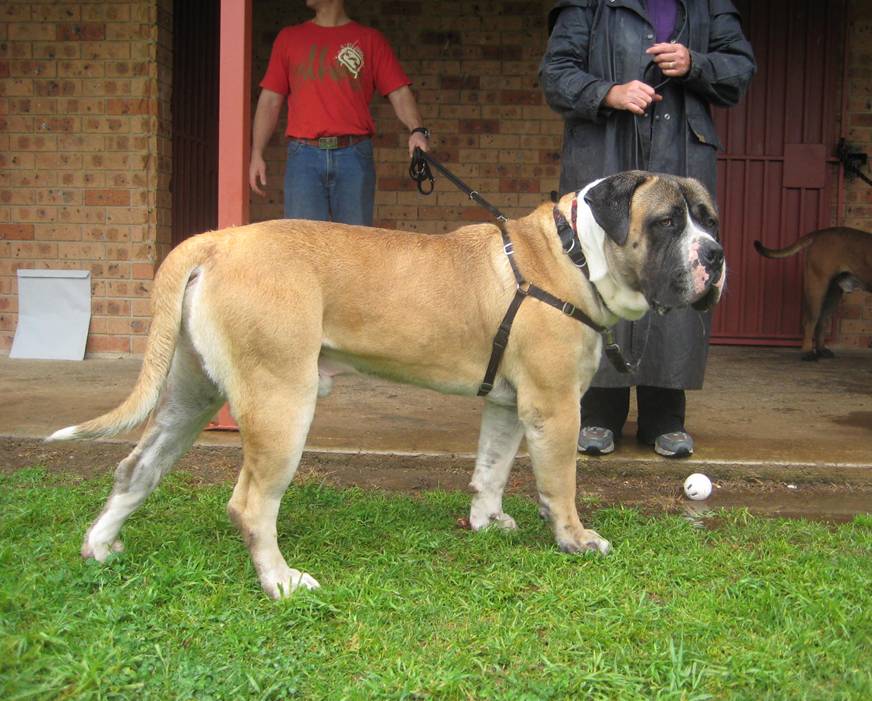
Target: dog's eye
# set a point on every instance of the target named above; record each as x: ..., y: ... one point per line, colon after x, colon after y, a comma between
x: 666, y: 223
x: 712, y: 223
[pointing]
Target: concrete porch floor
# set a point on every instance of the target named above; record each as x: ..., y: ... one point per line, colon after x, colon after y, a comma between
x: 762, y: 408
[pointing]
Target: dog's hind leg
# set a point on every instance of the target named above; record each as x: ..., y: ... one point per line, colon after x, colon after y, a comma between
x: 834, y: 295
x: 551, y: 423
x: 189, y: 399
x: 501, y: 434
x: 273, y: 418
x: 814, y: 295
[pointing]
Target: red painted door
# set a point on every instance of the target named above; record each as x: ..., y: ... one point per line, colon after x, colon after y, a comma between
x: 777, y: 176
x: 194, y: 183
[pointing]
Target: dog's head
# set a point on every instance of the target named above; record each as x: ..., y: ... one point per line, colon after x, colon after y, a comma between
x: 661, y: 237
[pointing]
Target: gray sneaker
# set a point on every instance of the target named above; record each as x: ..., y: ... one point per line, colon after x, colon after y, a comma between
x: 595, y: 440
x: 678, y: 444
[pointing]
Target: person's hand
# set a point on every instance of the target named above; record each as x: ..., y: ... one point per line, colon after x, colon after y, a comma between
x: 673, y: 60
x: 257, y: 173
x: 418, y: 140
x: 634, y: 96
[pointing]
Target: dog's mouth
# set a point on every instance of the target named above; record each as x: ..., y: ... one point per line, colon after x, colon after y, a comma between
x: 708, y: 300
x: 680, y: 294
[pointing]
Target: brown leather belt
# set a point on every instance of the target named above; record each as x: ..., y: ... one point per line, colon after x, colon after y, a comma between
x: 332, y: 142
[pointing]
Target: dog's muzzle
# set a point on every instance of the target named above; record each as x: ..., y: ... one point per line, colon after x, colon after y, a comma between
x: 708, y: 273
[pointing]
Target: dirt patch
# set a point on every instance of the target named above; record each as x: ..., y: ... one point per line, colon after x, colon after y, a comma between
x: 654, y: 487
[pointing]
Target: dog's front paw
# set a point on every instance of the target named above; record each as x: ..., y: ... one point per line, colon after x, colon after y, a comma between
x: 100, y: 551
x: 281, y: 585
x: 499, y: 520
x: 585, y: 541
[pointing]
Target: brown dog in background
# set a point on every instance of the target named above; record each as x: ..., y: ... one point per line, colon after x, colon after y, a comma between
x: 838, y: 260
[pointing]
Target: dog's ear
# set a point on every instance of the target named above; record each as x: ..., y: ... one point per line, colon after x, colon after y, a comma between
x: 609, y: 201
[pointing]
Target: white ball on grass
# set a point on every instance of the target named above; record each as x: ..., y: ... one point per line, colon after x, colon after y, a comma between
x: 698, y: 487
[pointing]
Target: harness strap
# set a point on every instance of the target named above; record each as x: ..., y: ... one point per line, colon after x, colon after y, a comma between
x: 565, y: 307
x: 509, y: 249
x: 610, y: 346
x: 419, y: 170
x: 501, y: 340
x: 569, y: 239
x: 616, y: 355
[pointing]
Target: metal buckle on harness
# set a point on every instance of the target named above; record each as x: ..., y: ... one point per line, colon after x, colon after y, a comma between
x: 568, y: 309
x: 509, y: 248
x: 501, y: 338
x: 615, y: 354
x: 328, y: 142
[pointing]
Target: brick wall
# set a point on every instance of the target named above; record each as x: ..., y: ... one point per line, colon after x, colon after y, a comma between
x: 85, y: 135
x: 853, y: 325
x: 80, y: 156
x: 474, y: 70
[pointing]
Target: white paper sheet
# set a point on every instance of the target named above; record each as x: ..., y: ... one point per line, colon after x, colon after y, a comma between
x: 54, y: 312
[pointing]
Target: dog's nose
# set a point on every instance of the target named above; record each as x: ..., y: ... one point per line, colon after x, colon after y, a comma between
x: 713, y: 256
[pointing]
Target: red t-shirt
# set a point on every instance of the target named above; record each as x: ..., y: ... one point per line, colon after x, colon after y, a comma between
x: 329, y: 75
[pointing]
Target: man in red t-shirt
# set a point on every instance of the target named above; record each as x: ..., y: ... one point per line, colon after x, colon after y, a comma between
x: 327, y: 69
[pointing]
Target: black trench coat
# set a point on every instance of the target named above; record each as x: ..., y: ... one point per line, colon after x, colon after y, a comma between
x: 595, y: 44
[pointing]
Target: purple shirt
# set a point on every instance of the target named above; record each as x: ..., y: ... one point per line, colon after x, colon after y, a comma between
x: 663, y: 15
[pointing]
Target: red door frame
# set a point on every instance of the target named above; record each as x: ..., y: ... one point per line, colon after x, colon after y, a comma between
x: 779, y: 177
x: 234, y: 127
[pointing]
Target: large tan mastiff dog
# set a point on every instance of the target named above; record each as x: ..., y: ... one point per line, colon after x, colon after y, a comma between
x: 263, y: 315
x: 837, y: 260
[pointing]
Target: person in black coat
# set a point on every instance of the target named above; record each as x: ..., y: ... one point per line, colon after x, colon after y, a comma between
x: 634, y: 81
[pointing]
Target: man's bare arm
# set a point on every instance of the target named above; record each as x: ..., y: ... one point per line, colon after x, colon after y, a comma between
x: 404, y: 104
x: 266, y: 116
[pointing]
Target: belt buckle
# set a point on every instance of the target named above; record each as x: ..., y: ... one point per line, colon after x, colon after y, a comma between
x: 328, y: 142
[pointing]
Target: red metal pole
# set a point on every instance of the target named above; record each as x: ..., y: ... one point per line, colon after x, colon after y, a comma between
x: 234, y: 129
x: 234, y: 113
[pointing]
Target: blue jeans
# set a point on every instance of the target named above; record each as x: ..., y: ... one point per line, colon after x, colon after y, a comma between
x: 330, y: 184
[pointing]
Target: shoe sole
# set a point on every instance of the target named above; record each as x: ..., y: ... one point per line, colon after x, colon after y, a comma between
x: 596, y: 451
x: 680, y: 453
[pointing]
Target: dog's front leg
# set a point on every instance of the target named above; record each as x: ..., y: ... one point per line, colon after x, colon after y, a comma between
x: 498, y: 442
x: 551, y: 422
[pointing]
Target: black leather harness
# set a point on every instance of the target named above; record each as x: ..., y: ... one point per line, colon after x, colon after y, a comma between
x: 420, y: 172
x: 572, y: 247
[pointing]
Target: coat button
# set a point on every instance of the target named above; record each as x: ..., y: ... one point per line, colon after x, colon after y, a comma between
x: 666, y: 116
x: 649, y: 36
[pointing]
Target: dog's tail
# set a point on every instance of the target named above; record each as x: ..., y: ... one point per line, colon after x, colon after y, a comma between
x: 794, y: 248
x: 167, y: 299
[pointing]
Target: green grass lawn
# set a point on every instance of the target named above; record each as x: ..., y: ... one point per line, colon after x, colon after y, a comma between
x: 413, y: 607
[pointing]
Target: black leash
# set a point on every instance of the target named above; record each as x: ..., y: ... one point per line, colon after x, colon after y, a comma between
x: 419, y: 171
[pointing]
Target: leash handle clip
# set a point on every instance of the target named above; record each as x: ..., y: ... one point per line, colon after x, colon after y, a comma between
x: 616, y: 355
x: 419, y: 171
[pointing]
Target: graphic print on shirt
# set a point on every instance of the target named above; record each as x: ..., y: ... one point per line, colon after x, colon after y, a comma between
x: 345, y: 67
x: 350, y: 57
